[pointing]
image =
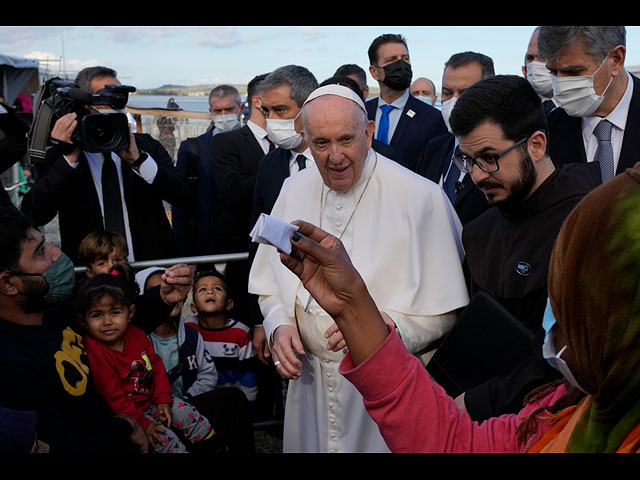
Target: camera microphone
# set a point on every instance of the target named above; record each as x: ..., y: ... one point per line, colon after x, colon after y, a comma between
x: 77, y: 94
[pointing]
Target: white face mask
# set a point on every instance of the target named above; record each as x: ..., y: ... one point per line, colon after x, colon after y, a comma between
x: 539, y: 77
x: 576, y: 95
x: 226, y: 122
x: 428, y: 100
x: 446, y: 109
x: 283, y: 132
x: 549, y: 351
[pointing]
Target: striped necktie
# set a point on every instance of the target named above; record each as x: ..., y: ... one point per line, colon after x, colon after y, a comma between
x: 604, y: 153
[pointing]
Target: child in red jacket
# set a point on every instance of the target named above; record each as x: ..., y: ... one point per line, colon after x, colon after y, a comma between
x: 127, y: 371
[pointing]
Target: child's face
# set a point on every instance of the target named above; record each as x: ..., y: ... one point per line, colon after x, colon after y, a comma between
x: 107, y: 320
x: 210, y: 295
x: 104, y: 265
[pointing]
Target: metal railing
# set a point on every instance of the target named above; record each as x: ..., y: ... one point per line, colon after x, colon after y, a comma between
x: 168, y: 262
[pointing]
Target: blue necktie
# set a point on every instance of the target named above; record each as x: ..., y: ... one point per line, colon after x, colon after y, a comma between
x: 450, y: 181
x: 383, y: 129
x: 604, y: 153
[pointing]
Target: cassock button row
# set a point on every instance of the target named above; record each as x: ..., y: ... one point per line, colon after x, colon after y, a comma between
x: 331, y: 389
x: 339, y: 206
x: 338, y: 224
x: 328, y: 374
x: 331, y: 405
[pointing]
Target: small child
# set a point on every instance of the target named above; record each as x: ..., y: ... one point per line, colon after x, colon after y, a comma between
x: 127, y: 371
x: 101, y: 250
x: 190, y: 367
x: 193, y: 377
x: 228, y: 340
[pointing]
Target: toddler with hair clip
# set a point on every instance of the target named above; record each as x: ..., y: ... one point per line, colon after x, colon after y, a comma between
x: 127, y: 371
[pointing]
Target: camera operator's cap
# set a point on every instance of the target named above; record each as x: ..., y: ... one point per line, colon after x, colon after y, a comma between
x: 338, y: 90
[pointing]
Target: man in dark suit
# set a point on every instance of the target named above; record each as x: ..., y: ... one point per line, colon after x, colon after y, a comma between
x: 283, y: 94
x: 536, y: 72
x: 597, y: 96
x: 460, y: 72
x: 75, y: 187
x: 194, y: 225
x: 402, y: 121
x: 235, y: 157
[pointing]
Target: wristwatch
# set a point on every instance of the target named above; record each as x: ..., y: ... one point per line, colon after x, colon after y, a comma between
x: 143, y: 156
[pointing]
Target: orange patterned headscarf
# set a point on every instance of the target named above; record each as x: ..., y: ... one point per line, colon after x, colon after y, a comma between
x: 594, y: 290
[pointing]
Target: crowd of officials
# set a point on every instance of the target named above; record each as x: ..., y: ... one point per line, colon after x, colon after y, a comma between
x: 486, y: 249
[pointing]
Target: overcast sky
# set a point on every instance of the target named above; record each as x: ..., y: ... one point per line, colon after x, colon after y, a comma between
x: 148, y: 57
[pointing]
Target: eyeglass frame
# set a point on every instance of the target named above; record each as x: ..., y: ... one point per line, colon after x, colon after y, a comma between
x: 460, y: 162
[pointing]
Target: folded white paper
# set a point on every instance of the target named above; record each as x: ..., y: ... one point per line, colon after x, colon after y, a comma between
x: 273, y: 231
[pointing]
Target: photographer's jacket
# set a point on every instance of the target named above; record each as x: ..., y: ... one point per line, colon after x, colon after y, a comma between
x: 71, y: 193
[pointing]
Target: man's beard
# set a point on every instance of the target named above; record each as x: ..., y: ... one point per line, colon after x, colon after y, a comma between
x: 520, y: 189
x: 32, y: 294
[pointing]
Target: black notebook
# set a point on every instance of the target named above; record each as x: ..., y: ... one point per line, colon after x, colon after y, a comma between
x: 485, y: 342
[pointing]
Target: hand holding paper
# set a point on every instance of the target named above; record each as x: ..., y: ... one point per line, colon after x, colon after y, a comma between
x: 273, y: 231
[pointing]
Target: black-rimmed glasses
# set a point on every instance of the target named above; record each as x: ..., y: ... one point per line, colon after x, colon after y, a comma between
x: 486, y: 162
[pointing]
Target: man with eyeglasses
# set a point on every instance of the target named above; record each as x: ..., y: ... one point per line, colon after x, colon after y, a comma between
x: 501, y: 127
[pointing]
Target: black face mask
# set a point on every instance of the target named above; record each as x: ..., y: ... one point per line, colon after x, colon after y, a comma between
x: 397, y: 75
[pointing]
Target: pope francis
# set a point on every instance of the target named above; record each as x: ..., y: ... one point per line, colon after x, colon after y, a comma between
x: 402, y: 235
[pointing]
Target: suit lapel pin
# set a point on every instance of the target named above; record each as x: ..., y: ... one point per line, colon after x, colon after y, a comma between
x: 410, y: 113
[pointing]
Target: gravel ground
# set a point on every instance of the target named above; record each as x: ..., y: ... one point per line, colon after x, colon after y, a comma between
x: 267, y: 443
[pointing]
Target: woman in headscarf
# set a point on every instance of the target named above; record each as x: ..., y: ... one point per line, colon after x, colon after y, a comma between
x: 593, y: 339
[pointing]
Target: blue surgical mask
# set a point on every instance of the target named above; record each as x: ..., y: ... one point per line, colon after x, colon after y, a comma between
x: 549, y: 350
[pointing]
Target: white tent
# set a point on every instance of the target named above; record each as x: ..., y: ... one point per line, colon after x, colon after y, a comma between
x: 17, y: 75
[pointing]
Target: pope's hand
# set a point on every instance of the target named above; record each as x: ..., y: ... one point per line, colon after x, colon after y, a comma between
x: 286, y: 344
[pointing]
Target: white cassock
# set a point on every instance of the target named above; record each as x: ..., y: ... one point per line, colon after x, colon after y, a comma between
x: 404, y: 239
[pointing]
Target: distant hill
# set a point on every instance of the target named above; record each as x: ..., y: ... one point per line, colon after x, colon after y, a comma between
x: 179, y: 90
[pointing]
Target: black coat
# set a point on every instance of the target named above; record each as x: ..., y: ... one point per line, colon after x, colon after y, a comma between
x: 565, y: 135
x: 418, y: 124
x: 235, y: 158
x: 71, y: 193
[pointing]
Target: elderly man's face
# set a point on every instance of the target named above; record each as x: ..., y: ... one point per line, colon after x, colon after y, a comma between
x: 339, y: 140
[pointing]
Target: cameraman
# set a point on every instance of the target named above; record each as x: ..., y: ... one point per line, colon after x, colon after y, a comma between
x: 119, y: 191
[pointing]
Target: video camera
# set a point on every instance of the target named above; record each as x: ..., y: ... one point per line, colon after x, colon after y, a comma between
x: 102, y: 129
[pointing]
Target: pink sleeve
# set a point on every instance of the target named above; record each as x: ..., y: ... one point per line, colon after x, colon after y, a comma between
x: 415, y: 414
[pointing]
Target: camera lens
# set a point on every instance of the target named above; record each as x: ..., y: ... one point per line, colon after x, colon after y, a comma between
x: 105, y: 132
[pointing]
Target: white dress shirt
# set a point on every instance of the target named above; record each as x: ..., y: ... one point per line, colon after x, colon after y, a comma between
x: 394, y: 114
x: 147, y: 171
x: 618, y: 117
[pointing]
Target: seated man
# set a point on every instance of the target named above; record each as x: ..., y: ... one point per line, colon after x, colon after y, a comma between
x: 43, y: 364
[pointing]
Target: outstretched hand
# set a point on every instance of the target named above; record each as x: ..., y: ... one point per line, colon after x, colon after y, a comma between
x: 176, y: 283
x: 322, y: 264
x: 325, y: 269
